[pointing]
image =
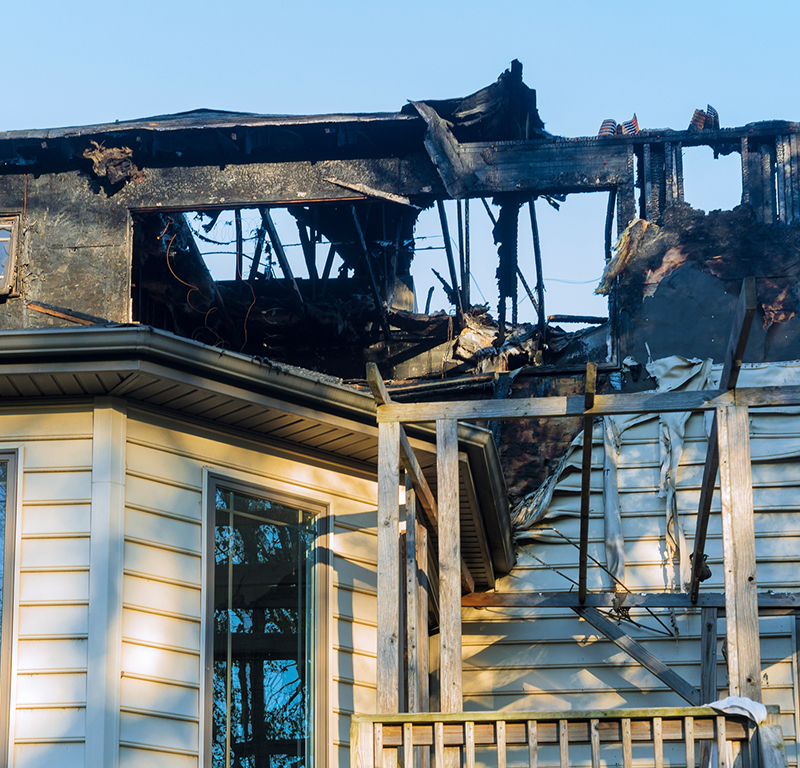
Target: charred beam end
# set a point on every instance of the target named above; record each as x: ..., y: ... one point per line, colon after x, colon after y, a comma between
x: 456, y: 173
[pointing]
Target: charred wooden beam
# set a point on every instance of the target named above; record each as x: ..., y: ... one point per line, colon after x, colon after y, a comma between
x: 259, y: 249
x: 237, y: 219
x: 505, y: 235
x: 326, y: 272
x: 462, y: 256
x: 376, y: 295
x: 277, y: 246
x: 537, y: 258
x: 588, y: 319
x: 448, y: 249
x: 732, y: 363
x: 453, y: 166
x: 309, y: 255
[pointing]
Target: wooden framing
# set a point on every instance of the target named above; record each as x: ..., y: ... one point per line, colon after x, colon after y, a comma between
x: 739, y: 549
x: 586, y: 477
x: 604, y: 405
x: 449, y: 567
x: 729, y: 447
x: 388, y: 567
x: 413, y: 469
x: 768, y: 603
x: 640, y: 653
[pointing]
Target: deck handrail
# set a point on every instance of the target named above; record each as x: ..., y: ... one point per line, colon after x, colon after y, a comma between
x: 373, y: 737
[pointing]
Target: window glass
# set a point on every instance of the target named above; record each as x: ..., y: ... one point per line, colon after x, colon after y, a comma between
x: 263, y: 590
x: 5, y: 253
x: 7, y: 225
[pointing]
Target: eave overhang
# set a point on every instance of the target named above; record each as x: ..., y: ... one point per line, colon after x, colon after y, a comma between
x: 313, y: 413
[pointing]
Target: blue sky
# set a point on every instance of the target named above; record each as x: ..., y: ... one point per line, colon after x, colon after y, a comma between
x: 86, y: 61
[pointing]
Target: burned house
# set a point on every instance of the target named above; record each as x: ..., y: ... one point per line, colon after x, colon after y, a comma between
x: 287, y: 515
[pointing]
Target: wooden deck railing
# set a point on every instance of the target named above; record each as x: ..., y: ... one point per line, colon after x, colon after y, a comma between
x: 596, y: 738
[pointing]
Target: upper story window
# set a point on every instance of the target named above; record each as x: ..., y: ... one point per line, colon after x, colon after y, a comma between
x: 8, y: 247
x: 261, y: 662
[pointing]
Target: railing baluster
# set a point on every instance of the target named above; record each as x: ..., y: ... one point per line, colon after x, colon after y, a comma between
x: 688, y: 730
x: 594, y: 735
x: 722, y: 743
x: 378, y: 752
x: 438, y: 739
x: 627, y: 753
x: 658, y: 743
x: 533, y: 745
x: 563, y: 742
x: 408, y: 745
x: 469, y: 739
x: 501, y: 744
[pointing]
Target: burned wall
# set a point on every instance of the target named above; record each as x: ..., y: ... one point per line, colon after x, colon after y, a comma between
x: 681, y: 281
x: 72, y: 252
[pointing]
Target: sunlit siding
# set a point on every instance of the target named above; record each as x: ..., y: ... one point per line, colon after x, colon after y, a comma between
x: 161, y: 642
x: 519, y: 659
x: 50, y: 654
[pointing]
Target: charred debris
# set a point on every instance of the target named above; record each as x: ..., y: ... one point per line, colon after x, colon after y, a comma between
x: 118, y: 223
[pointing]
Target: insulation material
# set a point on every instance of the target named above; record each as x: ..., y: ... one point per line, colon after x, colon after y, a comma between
x: 532, y: 517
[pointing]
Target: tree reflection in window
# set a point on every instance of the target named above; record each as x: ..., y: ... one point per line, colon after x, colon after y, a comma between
x: 263, y: 582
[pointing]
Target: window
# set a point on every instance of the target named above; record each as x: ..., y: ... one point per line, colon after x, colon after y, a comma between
x: 8, y: 245
x: 8, y: 465
x: 263, y: 623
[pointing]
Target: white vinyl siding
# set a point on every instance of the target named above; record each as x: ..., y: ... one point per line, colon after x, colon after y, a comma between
x: 52, y: 572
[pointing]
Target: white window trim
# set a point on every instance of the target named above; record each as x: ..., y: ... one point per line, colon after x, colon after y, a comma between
x: 13, y: 454
x: 10, y: 222
x: 322, y: 644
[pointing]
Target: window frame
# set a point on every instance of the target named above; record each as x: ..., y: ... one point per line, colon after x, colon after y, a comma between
x: 319, y: 696
x: 11, y: 223
x: 12, y: 459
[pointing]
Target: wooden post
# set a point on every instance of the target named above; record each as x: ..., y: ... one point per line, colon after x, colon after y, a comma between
x: 388, y: 568
x: 449, y: 566
x: 708, y: 669
x: 586, y: 478
x: 450, y: 699
x: 362, y: 743
x: 739, y: 551
x: 416, y: 621
x: 708, y: 656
